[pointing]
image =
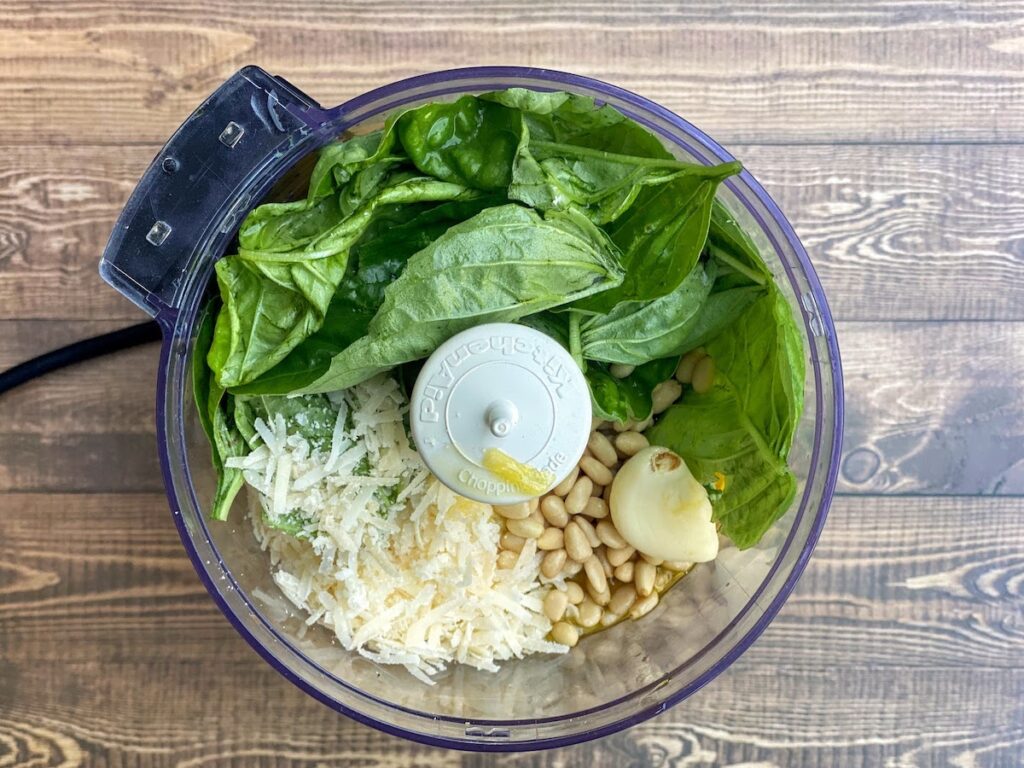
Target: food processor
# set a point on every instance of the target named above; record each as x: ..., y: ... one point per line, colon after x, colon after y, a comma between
x: 246, y: 143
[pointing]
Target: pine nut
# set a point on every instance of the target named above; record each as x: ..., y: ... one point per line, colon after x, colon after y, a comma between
x: 623, y: 426
x: 597, y: 492
x: 534, y: 504
x: 519, y: 511
x: 596, y: 508
x: 607, y: 495
x: 565, y: 633
x: 595, y: 573
x: 644, y: 605
x: 536, y: 515
x: 676, y: 566
x: 608, y: 618
x: 566, y: 483
x: 571, y: 568
x: 643, y: 578
x: 624, y: 572
x: 507, y: 559
x: 550, y: 539
x: 574, y: 591
x: 576, y: 543
x: 553, y: 509
x: 630, y: 443
x: 588, y: 531
x: 651, y: 559
x: 596, y: 422
x: 600, y: 597
x: 663, y: 579
x: 555, y: 603
x: 621, y: 370
x: 512, y: 542
x: 622, y: 599
x: 528, y: 528
x: 643, y: 425
x: 704, y: 375
x: 609, y: 535
x: 577, y: 497
x: 599, y: 553
x: 620, y: 555
x: 666, y: 393
x: 602, y: 449
x: 590, y: 613
x: 684, y: 371
x: 553, y: 563
x: 595, y: 470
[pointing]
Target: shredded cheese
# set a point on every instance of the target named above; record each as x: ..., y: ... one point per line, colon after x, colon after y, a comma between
x: 400, y: 567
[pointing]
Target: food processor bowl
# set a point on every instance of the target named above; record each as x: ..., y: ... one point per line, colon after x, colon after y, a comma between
x: 225, y: 159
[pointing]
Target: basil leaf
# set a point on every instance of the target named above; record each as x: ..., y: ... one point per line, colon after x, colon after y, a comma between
x: 469, y: 141
x: 272, y: 300
x: 215, y: 407
x: 340, y: 161
x: 760, y: 357
x: 661, y: 236
x: 628, y: 398
x: 733, y: 250
x: 635, y: 332
x: 708, y: 431
x: 375, y: 261
x: 500, y: 265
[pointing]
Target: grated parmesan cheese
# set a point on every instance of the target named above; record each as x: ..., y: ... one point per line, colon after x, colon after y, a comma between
x: 400, y: 567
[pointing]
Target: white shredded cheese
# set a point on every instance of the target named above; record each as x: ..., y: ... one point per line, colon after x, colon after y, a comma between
x: 401, y: 568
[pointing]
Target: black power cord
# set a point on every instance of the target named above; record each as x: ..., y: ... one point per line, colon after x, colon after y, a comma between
x: 80, y: 351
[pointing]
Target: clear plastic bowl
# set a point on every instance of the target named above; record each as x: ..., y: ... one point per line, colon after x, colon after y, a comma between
x: 613, y: 679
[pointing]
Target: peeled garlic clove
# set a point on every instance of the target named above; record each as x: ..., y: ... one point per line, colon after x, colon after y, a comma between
x: 661, y: 509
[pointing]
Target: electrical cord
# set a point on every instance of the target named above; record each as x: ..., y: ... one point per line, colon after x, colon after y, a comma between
x: 80, y: 351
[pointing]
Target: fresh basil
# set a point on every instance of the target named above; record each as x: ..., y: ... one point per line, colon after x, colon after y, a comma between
x: 500, y: 265
x: 274, y: 299
x: 710, y: 433
x: 635, y: 332
x: 215, y: 410
x: 628, y: 398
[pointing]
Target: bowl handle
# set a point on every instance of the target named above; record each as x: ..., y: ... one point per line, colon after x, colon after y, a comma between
x: 212, y: 171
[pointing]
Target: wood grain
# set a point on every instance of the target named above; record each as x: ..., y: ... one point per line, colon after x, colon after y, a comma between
x: 944, y: 219
x: 127, y: 74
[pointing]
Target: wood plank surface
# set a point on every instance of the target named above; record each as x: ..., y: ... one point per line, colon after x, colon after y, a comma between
x: 891, y: 134
x: 119, y: 72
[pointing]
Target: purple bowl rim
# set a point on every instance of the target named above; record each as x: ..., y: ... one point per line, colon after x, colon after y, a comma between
x: 169, y: 321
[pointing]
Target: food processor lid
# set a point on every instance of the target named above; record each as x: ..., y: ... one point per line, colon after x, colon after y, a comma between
x: 500, y: 387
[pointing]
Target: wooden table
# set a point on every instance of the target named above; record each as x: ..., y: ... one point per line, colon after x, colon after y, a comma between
x: 892, y: 134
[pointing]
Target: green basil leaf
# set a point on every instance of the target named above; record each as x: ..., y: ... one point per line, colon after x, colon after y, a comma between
x: 628, y: 398
x: 272, y: 301
x: 550, y: 324
x: 375, y: 261
x: 635, y: 332
x: 661, y: 237
x: 709, y: 432
x: 214, y: 407
x: 760, y: 357
x: 501, y: 265
x: 469, y: 141
x: 733, y: 250
x: 340, y: 161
